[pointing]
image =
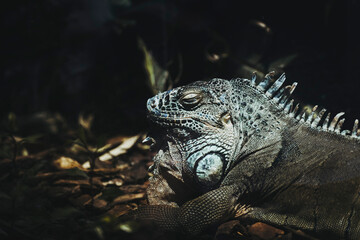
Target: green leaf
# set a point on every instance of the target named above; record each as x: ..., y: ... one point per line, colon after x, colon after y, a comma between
x: 156, y: 76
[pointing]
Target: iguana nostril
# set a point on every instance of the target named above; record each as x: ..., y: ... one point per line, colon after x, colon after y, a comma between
x: 153, y: 103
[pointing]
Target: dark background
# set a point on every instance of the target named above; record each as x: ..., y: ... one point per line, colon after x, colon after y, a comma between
x: 71, y: 56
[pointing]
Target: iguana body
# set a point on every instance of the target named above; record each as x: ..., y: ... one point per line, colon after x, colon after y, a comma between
x: 237, y: 148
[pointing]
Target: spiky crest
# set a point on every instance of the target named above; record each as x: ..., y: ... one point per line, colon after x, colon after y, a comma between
x: 280, y: 95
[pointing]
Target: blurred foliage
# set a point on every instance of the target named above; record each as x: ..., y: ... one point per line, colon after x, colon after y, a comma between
x: 157, y: 77
x: 97, y: 57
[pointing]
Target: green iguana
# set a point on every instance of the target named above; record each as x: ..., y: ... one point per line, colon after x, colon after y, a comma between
x: 238, y: 148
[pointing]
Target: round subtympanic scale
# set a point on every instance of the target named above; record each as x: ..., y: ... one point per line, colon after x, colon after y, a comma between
x: 209, y: 169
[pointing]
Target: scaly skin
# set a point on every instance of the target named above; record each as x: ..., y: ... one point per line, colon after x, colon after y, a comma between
x: 229, y: 145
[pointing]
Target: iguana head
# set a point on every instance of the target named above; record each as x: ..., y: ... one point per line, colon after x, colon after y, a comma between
x: 197, y: 118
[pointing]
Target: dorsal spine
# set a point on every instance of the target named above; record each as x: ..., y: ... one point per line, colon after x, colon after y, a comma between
x: 280, y: 95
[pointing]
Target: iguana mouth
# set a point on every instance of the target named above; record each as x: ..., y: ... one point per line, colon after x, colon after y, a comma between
x: 167, y: 121
x: 155, y: 140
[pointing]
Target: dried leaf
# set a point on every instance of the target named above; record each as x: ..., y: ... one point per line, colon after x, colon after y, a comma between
x: 62, y: 191
x: 264, y: 231
x: 111, y: 193
x: 73, y: 172
x: 137, y: 172
x: 98, y: 203
x: 300, y: 234
x: 134, y: 188
x: 80, y: 201
x: 115, y: 181
x: 66, y: 163
x: 116, y: 140
x: 82, y: 183
x: 86, y: 122
x: 86, y: 165
x: 230, y: 228
x: 18, y: 139
x: 128, y: 197
x: 121, y: 149
x: 128, y: 226
x: 119, y: 210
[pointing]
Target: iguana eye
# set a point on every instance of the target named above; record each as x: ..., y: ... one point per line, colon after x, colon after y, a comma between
x: 190, y: 99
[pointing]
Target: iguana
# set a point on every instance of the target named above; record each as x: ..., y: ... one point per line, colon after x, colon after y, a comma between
x: 240, y: 148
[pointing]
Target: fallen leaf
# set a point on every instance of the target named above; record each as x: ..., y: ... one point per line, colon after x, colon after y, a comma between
x: 119, y: 210
x: 99, y: 203
x: 66, y: 163
x: 128, y: 226
x: 81, y: 182
x: 229, y: 229
x: 121, y: 149
x: 137, y: 172
x: 62, y: 191
x: 80, y: 201
x: 264, y: 231
x: 86, y: 165
x: 115, y: 181
x: 86, y: 122
x: 128, y: 197
x: 134, y: 188
x: 66, y: 173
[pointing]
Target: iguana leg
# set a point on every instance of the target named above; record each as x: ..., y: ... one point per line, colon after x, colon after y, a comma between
x: 195, y: 215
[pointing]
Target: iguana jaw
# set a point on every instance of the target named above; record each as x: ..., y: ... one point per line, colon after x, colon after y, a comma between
x: 193, y: 168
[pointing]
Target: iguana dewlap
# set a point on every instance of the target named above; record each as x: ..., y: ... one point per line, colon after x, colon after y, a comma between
x: 226, y: 146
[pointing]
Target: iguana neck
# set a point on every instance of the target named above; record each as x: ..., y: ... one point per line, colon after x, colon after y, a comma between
x: 264, y: 116
x: 258, y: 122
